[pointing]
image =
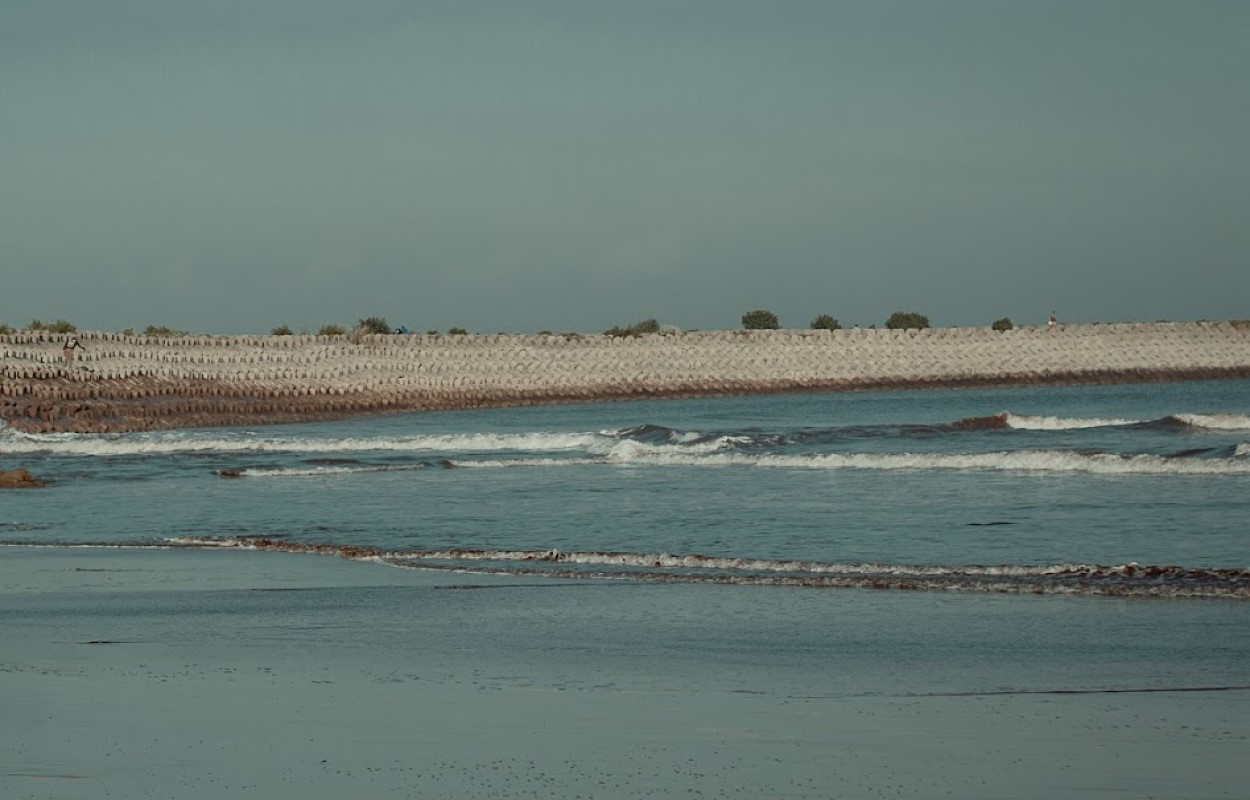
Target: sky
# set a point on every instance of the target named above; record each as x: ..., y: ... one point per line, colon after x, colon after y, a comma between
x: 526, y: 165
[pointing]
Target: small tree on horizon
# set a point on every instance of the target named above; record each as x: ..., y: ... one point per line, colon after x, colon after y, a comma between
x: 281, y: 330
x: 649, y: 325
x: 907, y: 320
x: 825, y: 322
x: 761, y: 319
x: 1002, y: 324
x: 374, y: 325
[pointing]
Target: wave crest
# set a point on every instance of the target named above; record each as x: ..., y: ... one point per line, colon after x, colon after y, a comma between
x: 184, y: 442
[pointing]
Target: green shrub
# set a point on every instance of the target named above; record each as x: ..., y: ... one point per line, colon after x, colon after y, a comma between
x: 760, y: 319
x: 281, y: 330
x: 374, y: 325
x: 60, y: 326
x: 128, y: 332
x: 5, y: 329
x: 637, y: 329
x: 162, y: 330
x: 331, y: 330
x: 826, y: 323
x: 901, y: 320
x: 1002, y: 324
x: 457, y: 331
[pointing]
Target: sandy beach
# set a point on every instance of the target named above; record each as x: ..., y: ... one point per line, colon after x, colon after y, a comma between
x: 167, y: 673
x: 126, y: 383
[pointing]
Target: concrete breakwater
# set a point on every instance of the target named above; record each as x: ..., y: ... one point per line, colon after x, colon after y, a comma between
x: 124, y: 383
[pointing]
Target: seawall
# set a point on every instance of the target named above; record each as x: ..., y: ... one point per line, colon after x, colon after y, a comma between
x: 125, y: 383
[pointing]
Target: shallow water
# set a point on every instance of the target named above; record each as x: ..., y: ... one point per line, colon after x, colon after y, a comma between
x: 1028, y: 490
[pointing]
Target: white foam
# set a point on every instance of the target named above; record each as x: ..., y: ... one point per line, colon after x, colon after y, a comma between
x: 1030, y: 423
x: 628, y: 448
x: 1025, y: 461
x: 322, y: 471
x: 1219, y: 422
x: 1242, y: 450
x: 1124, y: 580
x: 185, y: 442
x: 520, y: 462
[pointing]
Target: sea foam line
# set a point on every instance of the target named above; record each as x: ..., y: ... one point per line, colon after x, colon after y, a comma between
x: 1023, y: 461
x: 1031, y: 423
x: 1008, y: 419
x: 1088, y: 579
x: 156, y: 444
x: 1219, y: 422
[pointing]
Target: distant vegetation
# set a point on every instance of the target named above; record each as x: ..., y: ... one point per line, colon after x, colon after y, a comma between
x: 162, y: 330
x: 373, y: 325
x: 757, y: 319
x: 60, y: 326
x: 760, y: 320
x: 910, y: 320
x: 637, y: 329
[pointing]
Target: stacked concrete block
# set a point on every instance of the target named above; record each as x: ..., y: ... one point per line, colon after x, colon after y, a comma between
x: 127, y: 383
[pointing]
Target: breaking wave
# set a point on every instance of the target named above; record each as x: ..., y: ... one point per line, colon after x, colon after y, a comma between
x: 1125, y: 580
x: 1007, y: 419
x: 314, y: 472
x: 1218, y: 422
x: 1023, y: 461
x: 629, y: 453
x: 1028, y: 423
x: 180, y: 442
x: 656, y: 439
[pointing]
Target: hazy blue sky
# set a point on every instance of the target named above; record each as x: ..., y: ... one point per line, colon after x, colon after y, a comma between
x: 232, y: 165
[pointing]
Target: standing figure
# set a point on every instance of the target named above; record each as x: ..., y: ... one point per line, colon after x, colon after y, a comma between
x: 71, y: 344
x: 1054, y: 320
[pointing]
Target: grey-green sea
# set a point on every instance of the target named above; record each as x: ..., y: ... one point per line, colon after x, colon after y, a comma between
x: 1074, y: 543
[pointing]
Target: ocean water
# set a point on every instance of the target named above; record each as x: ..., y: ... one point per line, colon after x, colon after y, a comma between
x: 1134, y: 490
x: 1129, y: 490
x: 950, y: 593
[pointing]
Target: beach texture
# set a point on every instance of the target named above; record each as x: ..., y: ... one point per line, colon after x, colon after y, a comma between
x: 126, y: 383
x: 166, y: 673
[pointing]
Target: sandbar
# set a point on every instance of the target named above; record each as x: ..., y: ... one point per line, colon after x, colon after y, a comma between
x: 127, y: 383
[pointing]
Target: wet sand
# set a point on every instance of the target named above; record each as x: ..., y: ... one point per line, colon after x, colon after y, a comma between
x: 126, y: 383
x: 168, y: 673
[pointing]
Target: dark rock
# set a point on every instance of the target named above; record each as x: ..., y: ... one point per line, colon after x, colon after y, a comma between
x: 19, y: 479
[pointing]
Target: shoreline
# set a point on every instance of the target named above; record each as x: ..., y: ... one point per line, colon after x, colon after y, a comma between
x: 257, y: 678
x: 125, y: 383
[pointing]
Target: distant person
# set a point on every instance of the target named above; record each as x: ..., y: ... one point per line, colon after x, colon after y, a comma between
x: 1054, y: 320
x: 71, y: 344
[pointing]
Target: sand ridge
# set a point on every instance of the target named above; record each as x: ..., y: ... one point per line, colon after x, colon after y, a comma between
x: 122, y: 382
